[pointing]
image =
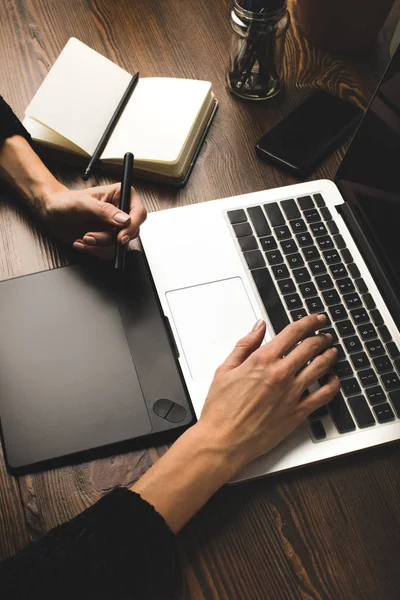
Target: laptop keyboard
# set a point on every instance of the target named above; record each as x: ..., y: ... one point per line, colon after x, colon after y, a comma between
x: 300, y: 265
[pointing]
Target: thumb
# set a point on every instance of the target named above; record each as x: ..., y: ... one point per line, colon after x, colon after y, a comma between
x: 245, y: 346
x: 106, y: 213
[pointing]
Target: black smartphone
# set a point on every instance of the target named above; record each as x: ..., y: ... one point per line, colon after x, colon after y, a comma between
x: 306, y: 136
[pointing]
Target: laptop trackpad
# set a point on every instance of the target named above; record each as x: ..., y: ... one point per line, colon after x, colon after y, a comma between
x: 210, y: 319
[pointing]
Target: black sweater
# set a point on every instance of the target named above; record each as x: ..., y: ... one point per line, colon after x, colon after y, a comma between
x: 120, y: 548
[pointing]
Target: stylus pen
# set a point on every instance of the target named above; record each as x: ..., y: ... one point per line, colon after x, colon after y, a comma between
x: 124, y: 204
x: 110, y: 127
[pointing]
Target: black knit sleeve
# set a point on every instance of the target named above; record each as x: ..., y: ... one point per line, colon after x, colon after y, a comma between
x: 10, y: 124
x: 119, y: 548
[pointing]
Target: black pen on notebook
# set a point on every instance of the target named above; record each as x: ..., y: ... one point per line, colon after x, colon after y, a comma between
x: 110, y: 127
x: 124, y: 205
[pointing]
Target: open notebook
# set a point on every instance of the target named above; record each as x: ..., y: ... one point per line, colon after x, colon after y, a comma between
x: 163, y: 124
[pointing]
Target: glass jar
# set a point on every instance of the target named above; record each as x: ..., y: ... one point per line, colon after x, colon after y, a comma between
x: 258, y: 41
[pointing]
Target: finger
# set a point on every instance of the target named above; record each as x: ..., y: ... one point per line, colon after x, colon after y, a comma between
x: 317, y: 368
x: 295, y: 333
x: 320, y: 397
x: 103, y: 213
x: 99, y: 238
x: 137, y: 215
x: 103, y: 253
x: 306, y: 350
x: 245, y: 347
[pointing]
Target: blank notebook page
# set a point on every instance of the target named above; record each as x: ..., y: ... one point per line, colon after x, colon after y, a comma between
x: 79, y: 95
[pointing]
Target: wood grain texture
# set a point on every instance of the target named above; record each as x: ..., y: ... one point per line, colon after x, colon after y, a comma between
x: 325, y: 532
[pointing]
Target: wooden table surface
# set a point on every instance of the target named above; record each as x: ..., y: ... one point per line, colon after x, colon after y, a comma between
x: 327, y: 531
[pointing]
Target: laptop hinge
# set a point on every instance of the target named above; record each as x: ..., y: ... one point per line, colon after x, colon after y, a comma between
x: 369, y: 256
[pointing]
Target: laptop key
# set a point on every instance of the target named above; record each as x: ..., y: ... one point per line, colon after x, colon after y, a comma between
x: 376, y: 395
x: 254, y: 259
x: 346, y: 256
x: 345, y: 285
x: 332, y: 256
x: 289, y: 247
x: 352, y: 344
x: 318, y: 430
x: 390, y: 381
x: 301, y: 275
x: 343, y: 369
x: 325, y: 242
x: 338, y: 312
x: 248, y: 243
x: 340, y: 352
x: 333, y: 228
x: 322, y: 411
x: 375, y: 347
x: 259, y: 221
x: 367, y: 331
x: 340, y: 414
x: 331, y: 297
x: 304, y: 239
x: 359, y: 315
x: 339, y: 241
x: 384, y: 333
x: 311, y: 253
x: 242, y: 229
x: 392, y: 349
x: 317, y: 267
x: 314, y: 305
x: 368, y: 301
x: 376, y: 317
x: 367, y: 378
x: 360, y: 361
x: 360, y: 283
x: 318, y: 229
x: 268, y: 243
x: 307, y: 289
x: 382, y: 364
x: 293, y: 301
x: 361, y: 411
x: 274, y: 214
x: 286, y: 286
x: 383, y: 413
x: 350, y: 386
x: 319, y: 201
x: 274, y: 257
x: 290, y: 209
x: 324, y: 282
x: 345, y: 328
x: 311, y: 215
x: 270, y: 298
x: 338, y: 271
x: 295, y: 260
x: 237, y: 216
x: 326, y: 214
x: 395, y: 400
x: 282, y: 232
x: 306, y: 202
x: 298, y: 226
x: 280, y: 272
x: 298, y: 314
x: 352, y: 300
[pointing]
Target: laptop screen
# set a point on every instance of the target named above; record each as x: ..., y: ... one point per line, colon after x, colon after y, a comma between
x: 369, y: 177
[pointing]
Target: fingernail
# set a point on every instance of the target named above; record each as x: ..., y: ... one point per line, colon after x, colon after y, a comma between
x: 335, y: 350
x: 125, y: 239
x: 321, y: 318
x: 78, y: 245
x: 121, y: 218
x: 89, y: 240
x: 258, y: 325
x: 329, y: 336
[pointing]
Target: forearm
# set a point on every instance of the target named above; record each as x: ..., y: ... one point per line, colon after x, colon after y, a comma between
x: 23, y: 170
x: 186, y: 477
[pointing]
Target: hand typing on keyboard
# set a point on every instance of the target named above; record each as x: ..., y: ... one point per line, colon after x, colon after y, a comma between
x: 257, y: 395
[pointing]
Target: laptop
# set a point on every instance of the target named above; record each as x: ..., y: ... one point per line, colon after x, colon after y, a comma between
x: 91, y: 361
x: 283, y: 253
